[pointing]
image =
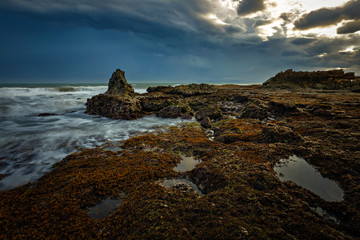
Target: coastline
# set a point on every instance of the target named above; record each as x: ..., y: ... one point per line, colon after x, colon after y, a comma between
x: 243, y: 197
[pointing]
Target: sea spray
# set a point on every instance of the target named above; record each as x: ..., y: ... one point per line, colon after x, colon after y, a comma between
x: 41, y: 125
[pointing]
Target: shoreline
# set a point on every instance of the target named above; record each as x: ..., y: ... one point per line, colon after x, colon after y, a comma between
x: 238, y: 149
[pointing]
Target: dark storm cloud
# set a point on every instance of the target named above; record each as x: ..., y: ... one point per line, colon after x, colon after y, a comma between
x: 310, y: 54
x: 328, y: 52
x: 331, y: 45
x: 153, y: 17
x: 247, y: 7
x: 329, y: 16
x: 349, y: 27
x: 290, y: 53
x: 175, y: 39
x: 302, y: 41
x: 348, y: 60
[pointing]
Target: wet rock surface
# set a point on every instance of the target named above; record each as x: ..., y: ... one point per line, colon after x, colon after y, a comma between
x: 243, y: 198
x: 114, y: 107
x: 169, y: 112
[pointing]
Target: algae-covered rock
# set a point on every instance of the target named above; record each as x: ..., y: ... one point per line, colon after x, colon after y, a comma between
x: 230, y: 138
x: 256, y: 110
x: 184, y: 90
x: 118, y: 85
x: 208, y: 180
x: 212, y: 111
x: 206, y: 122
x: 242, y: 196
x: 118, y: 102
x: 281, y: 108
x: 333, y: 79
x: 169, y: 112
x: 114, y: 107
x: 193, y: 89
x: 163, y: 89
x: 276, y: 133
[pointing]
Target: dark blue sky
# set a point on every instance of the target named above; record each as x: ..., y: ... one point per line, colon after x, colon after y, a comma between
x: 44, y: 41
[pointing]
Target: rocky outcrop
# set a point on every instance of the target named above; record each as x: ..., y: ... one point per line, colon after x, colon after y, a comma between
x: 170, y: 112
x: 256, y: 110
x: 331, y: 80
x: 185, y: 90
x: 276, y: 133
x: 114, y: 107
x: 244, y: 198
x: 118, y: 102
x: 215, y: 102
x: 212, y: 111
x: 118, y: 85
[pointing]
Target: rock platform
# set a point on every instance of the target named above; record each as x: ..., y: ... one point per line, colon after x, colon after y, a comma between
x: 245, y: 131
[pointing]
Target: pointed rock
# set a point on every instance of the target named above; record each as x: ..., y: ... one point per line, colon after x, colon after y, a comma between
x: 118, y: 85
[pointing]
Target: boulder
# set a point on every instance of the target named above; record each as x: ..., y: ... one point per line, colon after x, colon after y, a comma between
x: 211, y: 111
x: 114, y: 107
x: 156, y: 103
x: 206, y: 122
x: 281, y: 108
x: 118, y: 85
x: 255, y: 110
x: 169, y: 112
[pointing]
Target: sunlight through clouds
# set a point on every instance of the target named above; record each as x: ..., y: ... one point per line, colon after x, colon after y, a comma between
x: 193, y: 34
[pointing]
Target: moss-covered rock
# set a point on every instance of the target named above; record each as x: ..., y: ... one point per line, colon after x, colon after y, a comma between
x: 256, y: 110
x: 169, y: 112
x: 212, y: 111
x: 114, y: 107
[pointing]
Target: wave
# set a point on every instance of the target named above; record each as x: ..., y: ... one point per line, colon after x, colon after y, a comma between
x: 30, y: 144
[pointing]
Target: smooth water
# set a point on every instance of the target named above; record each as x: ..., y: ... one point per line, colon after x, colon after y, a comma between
x: 186, y: 164
x: 104, y: 208
x: 30, y: 144
x: 297, y: 170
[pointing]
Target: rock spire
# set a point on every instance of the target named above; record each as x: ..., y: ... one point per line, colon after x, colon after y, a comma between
x: 118, y: 85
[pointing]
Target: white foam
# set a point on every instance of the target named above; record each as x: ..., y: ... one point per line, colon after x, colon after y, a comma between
x: 30, y: 144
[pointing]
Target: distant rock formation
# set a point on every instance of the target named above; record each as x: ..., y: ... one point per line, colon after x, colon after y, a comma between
x: 118, y: 85
x: 331, y: 80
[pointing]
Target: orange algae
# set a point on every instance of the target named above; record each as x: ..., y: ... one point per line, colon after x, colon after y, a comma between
x: 243, y: 197
x: 240, y: 189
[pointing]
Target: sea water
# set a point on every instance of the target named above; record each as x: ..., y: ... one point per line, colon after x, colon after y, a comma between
x: 296, y: 169
x: 30, y: 144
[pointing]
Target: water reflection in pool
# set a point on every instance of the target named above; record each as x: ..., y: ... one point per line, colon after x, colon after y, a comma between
x: 297, y: 170
x: 104, y: 208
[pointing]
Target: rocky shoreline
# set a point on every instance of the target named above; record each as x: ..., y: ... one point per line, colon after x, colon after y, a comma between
x: 241, y: 134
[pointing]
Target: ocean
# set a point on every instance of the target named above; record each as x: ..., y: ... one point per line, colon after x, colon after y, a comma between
x: 30, y: 143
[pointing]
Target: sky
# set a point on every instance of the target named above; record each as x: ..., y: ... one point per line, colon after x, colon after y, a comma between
x: 182, y: 41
